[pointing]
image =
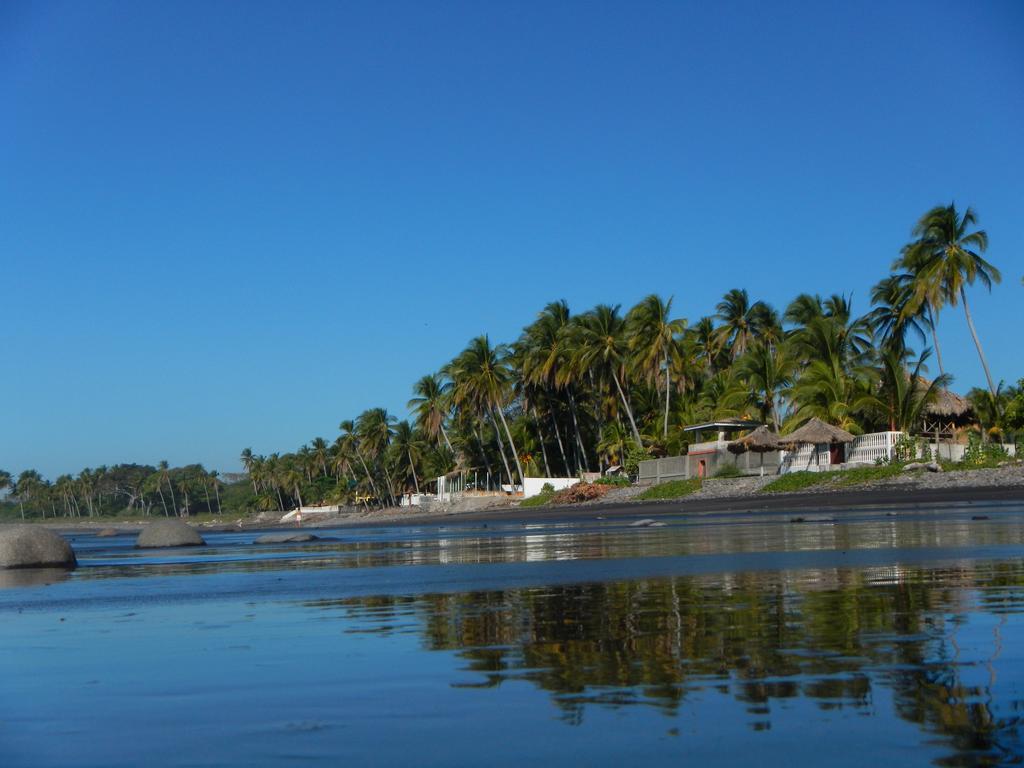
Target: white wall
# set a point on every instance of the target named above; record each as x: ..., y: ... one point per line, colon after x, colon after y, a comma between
x: 532, y: 485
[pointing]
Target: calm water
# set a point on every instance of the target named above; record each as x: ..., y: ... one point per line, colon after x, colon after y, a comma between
x: 889, y: 638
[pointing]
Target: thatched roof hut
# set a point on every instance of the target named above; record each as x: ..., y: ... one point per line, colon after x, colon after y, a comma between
x: 816, y: 432
x: 761, y: 440
x: 948, y: 405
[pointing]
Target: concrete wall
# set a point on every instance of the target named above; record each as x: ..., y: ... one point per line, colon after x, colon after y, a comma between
x: 532, y: 485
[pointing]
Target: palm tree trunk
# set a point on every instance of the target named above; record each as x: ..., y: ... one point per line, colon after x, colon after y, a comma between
x: 629, y: 411
x: 501, y: 448
x: 543, y: 450
x: 935, y: 339
x: 581, y: 458
x: 483, y: 449
x: 977, y: 343
x: 512, y: 446
x: 668, y: 384
x: 448, y: 442
x: 163, y: 502
x: 412, y: 466
x: 373, y: 485
x: 216, y: 490
x: 558, y: 437
x: 391, y: 484
x: 174, y: 502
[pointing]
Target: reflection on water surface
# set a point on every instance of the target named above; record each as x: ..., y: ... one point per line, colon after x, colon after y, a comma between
x: 871, y: 638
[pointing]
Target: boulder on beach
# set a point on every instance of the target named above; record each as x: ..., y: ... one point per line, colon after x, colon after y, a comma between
x: 31, y: 546
x: 286, y: 538
x: 168, y: 533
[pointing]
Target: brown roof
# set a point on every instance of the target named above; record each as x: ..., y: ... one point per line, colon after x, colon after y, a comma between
x: 815, y: 432
x: 761, y: 440
x: 948, y: 403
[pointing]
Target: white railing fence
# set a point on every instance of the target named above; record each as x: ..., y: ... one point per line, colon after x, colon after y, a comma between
x: 869, y: 448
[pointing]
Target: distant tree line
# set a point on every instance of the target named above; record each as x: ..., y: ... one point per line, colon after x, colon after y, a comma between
x: 123, y: 489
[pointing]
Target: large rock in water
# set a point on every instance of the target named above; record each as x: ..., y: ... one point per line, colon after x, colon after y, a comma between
x: 168, y: 533
x: 32, y: 546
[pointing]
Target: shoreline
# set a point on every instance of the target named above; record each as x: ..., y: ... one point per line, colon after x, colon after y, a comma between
x: 899, y: 495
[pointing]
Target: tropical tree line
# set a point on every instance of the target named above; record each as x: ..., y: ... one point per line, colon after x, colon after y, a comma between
x: 123, y: 489
x: 577, y: 392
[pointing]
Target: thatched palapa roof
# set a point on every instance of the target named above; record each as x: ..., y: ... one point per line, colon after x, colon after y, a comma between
x: 949, y: 404
x: 816, y: 432
x: 760, y: 440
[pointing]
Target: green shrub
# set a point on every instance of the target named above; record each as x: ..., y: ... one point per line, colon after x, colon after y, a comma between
x: 979, y: 455
x: 616, y: 480
x: 905, y: 448
x: 634, y: 456
x: 673, y: 489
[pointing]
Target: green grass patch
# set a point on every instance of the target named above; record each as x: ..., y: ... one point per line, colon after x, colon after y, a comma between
x: 673, y: 489
x: 797, y: 481
x: 542, y: 499
x: 728, y: 470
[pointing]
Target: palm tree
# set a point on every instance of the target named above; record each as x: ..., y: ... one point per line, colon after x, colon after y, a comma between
x: 319, y: 450
x: 652, y: 343
x: 545, y: 364
x: 165, y: 473
x: 903, y: 395
x: 214, y: 475
x: 28, y: 485
x: 248, y: 462
x: 408, y: 446
x: 481, y: 375
x: 599, y: 347
x: 431, y: 406
x: 740, y: 321
x: 891, y: 318
x: 351, y: 442
x: 766, y: 371
x: 375, y: 428
x: 945, y: 259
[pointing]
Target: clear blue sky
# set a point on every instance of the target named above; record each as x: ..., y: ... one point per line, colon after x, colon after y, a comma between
x: 235, y: 224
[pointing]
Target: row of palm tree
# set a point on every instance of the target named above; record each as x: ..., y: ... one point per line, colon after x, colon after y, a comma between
x: 120, y: 489
x: 578, y: 392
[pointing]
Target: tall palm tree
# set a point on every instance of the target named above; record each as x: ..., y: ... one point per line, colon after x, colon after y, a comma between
x: 599, y: 347
x: 408, y: 448
x: 165, y: 473
x: 351, y: 440
x: 651, y: 340
x: 945, y: 258
x: 481, y: 375
x: 545, y: 363
x: 248, y: 462
x: 431, y: 405
x: 375, y: 427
